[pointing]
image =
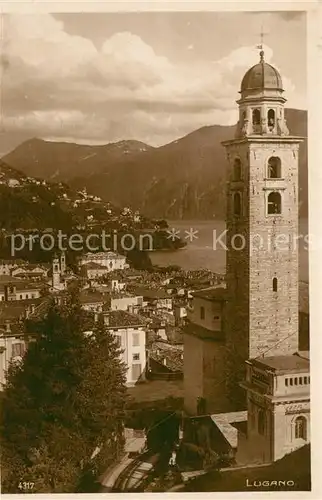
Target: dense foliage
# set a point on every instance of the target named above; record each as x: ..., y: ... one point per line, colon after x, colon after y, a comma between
x: 63, y: 407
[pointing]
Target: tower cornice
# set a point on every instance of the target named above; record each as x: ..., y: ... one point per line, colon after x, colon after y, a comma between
x: 261, y: 98
x: 289, y: 139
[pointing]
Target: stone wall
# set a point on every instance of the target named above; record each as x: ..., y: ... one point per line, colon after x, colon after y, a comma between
x: 212, y: 319
x: 214, y: 388
x: 204, y: 375
x: 192, y: 369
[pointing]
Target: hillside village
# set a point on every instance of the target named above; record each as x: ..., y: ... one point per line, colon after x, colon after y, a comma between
x: 34, y: 207
x: 81, y: 209
x: 150, y: 304
x: 151, y: 307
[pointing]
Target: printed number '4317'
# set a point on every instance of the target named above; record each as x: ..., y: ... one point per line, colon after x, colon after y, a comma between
x: 26, y: 485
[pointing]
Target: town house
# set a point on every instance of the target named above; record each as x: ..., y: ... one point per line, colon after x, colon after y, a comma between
x: 130, y: 332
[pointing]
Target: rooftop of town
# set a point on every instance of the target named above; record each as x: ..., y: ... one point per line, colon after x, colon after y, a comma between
x: 293, y: 363
x: 89, y: 296
x: 151, y: 293
x: 123, y: 319
x: 102, y: 255
x: 217, y: 293
x: 20, y: 285
x: 173, y: 355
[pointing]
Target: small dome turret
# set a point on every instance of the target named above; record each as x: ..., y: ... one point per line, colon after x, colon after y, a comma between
x: 262, y: 76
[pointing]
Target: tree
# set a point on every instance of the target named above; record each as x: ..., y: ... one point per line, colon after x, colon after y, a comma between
x: 163, y: 224
x: 139, y: 259
x: 103, y: 417
x: 63, y: 405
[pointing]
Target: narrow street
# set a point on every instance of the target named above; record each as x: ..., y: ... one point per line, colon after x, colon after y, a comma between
x: 137, y: 470
x: 137, y: 473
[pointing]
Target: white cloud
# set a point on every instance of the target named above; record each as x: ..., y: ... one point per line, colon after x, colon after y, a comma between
x: 58, y: 85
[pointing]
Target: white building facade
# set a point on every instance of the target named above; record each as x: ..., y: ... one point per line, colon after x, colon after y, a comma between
x: 130, y: 333
x: 110, y: 260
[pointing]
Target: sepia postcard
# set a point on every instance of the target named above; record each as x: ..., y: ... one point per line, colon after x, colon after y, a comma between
x: 159, y: 247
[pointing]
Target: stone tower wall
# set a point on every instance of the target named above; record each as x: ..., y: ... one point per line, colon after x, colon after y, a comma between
x: 260, y: 320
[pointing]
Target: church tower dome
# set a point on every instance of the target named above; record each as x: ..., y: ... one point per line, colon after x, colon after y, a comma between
x: 262, y: 76
x: 261, y: 105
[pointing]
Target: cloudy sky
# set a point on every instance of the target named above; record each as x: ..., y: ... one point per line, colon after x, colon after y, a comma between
x: 98, y: 78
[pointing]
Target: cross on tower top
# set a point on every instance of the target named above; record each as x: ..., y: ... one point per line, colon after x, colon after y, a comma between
x: 260, y: 46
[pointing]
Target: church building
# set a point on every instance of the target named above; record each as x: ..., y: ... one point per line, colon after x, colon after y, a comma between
x: 262, y: 228
x: 261, y: 310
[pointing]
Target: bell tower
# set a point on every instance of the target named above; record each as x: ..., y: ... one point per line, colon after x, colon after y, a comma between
x: 56, y: 273
x: 262, y: 228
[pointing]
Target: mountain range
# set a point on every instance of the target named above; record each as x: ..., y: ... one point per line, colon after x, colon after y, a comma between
x: 185, y: 179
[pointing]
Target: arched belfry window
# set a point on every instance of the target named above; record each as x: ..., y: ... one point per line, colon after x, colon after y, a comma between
x: 274, y: 167
x: 300, y: 428
x: 256, y: 116
x: 271, y: 119
x: 237, y: 169
x: 237, y: 205
x: 261, y: 422
x: 275, y: 283
x: 274, y: 203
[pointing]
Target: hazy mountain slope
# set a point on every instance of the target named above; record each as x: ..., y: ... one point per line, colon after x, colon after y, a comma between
x: 183, y: 179
x: 63, y: 160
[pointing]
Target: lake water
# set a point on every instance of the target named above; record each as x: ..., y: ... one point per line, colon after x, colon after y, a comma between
x: 199, y: 253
